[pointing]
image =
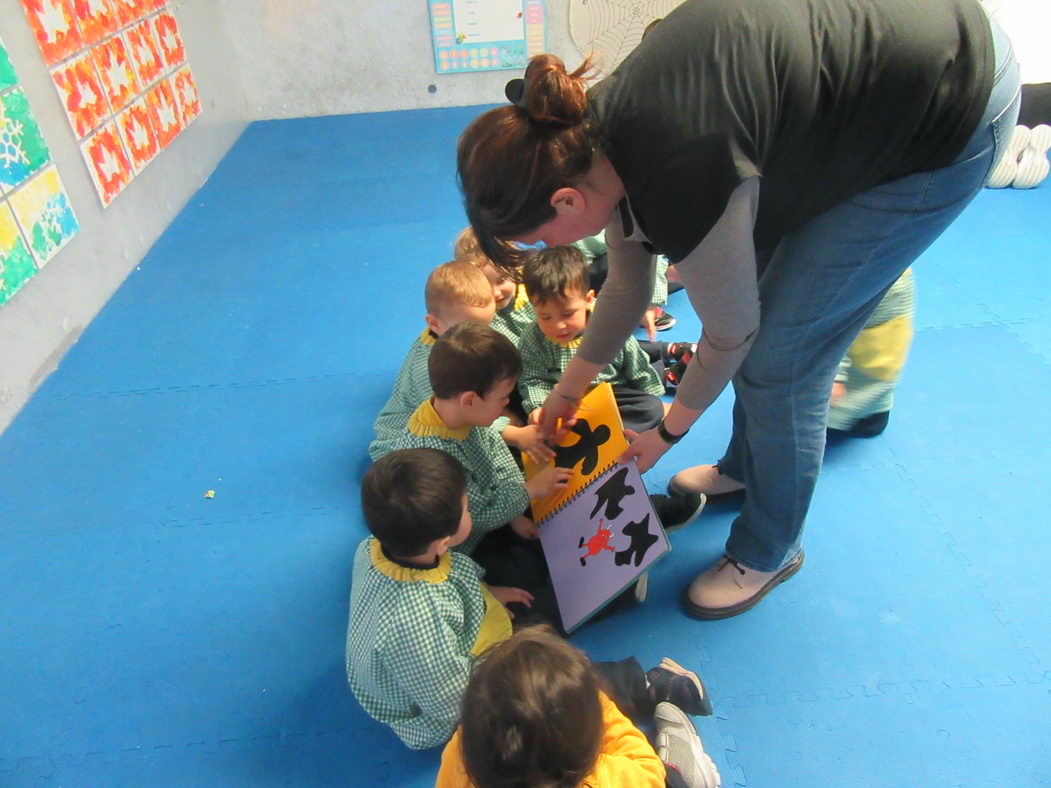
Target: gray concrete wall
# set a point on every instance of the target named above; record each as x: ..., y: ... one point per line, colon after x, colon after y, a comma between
x: 327, y: 57
x: 42, y: 320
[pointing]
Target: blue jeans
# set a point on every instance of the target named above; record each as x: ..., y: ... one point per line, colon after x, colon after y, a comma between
x: 817, y: 290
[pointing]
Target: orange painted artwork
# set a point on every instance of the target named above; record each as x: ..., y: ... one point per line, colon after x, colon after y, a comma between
x: 186, y: 92
x: 129, y: 11
x: 96, y: 20
x: 170, y: 40
x: 83, y: 96
x: 145, y: 52
x: 53, y: 25
x: 164, y: 113
x: 118, y: 77
x: 136, y: 129
x: 107, y: 162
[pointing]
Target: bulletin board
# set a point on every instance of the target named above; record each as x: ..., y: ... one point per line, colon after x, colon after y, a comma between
x: 120, y: 70
x: 486, y: 35
x: 36, y: 218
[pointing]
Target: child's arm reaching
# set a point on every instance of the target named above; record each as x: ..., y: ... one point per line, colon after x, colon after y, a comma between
x: 535, y: 382
x: 529, y: 441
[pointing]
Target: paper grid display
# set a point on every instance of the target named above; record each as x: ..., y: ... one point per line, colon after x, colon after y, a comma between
x: 120, y: 70
x: 485, y: 35
x: 36, y: 218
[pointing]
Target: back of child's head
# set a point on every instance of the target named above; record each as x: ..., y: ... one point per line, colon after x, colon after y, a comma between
x: 531, y: 715
x: 471, y: 357
x: 413, y: 497
x: 467, y: 249
x: 555, y: 273
x: 458, y: 282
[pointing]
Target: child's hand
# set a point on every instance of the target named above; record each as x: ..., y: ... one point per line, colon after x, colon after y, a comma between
x: 838, y: 390
x: 505, y: 595
x: 548, y: 482
x: 534, y: 416
x: 530, y: 441
x: 649, y: 322
x: 525, y: 528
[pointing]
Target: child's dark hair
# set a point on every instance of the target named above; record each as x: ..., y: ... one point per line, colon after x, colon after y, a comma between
x: 471, y: 357
x: 531, y: 715
x: 554, y: 273
x: 413, y: 497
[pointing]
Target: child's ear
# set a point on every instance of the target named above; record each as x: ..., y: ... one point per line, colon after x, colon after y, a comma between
x: 432, y: 323
x: 467, y: 400
x: 589, y: 298
x: 441, y: 546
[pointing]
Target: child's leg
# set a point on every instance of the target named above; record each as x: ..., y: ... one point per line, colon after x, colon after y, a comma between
x: 637, y: 693
x: 509, y: 560
x: 638, y: 410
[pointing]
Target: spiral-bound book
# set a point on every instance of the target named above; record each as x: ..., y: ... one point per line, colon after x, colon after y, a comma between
x: 600, y: 533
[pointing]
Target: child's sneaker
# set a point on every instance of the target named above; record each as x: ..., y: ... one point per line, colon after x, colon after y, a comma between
x: 679, y: 746
x: 662, y: 320
x: 671, y: 682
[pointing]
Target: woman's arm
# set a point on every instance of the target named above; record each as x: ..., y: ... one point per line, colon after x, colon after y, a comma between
x: 720, y: 279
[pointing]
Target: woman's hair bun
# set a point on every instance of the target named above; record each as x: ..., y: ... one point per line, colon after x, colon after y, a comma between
x: 552, y: 94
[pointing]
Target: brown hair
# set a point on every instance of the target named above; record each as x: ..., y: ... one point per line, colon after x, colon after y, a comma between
x: 531, y: 715
x: 513, y: 158
x: 471, y: 357
x: 555, y: 273
x: 456, y: 282
x: 466, y: 248
x: 413, y: 497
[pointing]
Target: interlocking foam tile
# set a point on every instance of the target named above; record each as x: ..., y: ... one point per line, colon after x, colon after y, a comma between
x: 940, y: 301
x: 1035, y: 332
x: 966, y: 390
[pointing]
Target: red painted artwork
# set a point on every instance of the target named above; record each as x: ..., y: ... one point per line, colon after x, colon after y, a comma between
x: 118, y: 77
x: 164, y: 112
x: 96, y: 19
x: 137, y: 132
x: 168, y: 38
x: 108, y: 163
x: 186, y: 93
x: 145, y: 53
x: 56, y: 32
x: 129, y: 11
x: 82, y: 94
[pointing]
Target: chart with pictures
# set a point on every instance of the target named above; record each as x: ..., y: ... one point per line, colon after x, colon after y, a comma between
x: 36, y: 218
x: 485, y: 35
x: 120, y: 70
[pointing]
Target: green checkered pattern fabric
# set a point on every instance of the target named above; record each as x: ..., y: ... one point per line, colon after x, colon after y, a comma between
x: 495, y: 485
x: 408, y: 646
x: 867, y: 395
x: 543, y: 363
x: 595, y: 245
x: 514, y: 318
x: 411, y: 387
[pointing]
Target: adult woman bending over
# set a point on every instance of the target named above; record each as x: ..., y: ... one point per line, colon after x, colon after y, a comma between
x: 792, y: 157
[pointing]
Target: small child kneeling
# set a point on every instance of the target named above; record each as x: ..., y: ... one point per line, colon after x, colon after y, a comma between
x: 536, y: 712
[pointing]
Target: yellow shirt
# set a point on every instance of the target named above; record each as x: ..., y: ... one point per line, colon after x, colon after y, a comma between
x: 625, y: 757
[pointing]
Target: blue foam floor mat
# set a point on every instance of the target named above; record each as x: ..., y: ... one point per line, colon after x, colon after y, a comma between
x: 151, y: 636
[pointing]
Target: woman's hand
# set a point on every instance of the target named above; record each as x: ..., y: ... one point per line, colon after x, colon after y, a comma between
x: 646, y: 448
x: 555, y: 407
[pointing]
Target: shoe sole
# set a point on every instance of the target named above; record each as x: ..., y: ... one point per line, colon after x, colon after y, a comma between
x: 706, y: 702
x: 676, y: 718
x: 691, y: 518
x: 1007, y: 168
x: 723, y: 497
x: 715, y: 613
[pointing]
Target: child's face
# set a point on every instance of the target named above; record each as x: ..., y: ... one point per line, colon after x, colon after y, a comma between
x: 562, y: 319
x: 464, y: 530
x: 460, y: 313
x: 503, y: 288
x: 485, y: 410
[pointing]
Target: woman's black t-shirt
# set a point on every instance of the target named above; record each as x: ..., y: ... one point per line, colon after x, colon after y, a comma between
x: 820, y: 98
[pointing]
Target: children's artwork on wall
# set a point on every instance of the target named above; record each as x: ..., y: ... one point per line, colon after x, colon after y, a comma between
x: 36, y: 218
x: 120, y: 69
x: 485, y: 35
x: 600, y: 533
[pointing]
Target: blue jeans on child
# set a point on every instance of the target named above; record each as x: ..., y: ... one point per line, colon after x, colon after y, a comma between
x: 817, y: 290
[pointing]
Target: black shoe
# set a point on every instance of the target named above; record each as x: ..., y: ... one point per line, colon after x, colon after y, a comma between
x: 868, y: 427
x: 663, y: 320
x: 677, y: 511
x: 671, y: 682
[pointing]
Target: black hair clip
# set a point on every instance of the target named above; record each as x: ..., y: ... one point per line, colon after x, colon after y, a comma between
x: 515, y: 90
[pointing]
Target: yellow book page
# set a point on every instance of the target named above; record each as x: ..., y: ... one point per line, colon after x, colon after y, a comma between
x: 592, y: 446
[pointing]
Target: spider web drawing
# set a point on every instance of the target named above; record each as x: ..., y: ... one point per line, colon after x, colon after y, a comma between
x: 610, y: 29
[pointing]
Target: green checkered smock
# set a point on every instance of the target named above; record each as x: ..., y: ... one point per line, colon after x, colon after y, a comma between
x: 595, y: 245
x: 516, y: 317
x: 544, y: 361
x: 411, y: 387
x: 496, y: 491
x: 414, y: 636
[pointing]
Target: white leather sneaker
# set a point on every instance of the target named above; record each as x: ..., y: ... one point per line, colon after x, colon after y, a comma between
x: 727, y: 588
x: 708, y: 479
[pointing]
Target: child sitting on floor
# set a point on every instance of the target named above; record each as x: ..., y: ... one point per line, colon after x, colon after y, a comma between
x: 514, y: 313
x: 455, y: 292
x: 420, y: 616
x: 556, y: 280
x: 536, y: 712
